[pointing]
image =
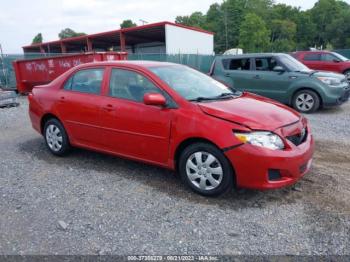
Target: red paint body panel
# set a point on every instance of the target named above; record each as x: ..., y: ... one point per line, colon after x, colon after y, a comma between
x: 331, y: 66
x: 39, y: 71
x: 152, y: 134
x: 269, y: 116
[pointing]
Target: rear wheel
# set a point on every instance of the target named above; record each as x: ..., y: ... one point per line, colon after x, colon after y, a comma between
x: 206, y: 170
x: 56, y: 137
x: 306, y: 101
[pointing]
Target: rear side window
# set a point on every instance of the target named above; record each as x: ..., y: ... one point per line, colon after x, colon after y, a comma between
x: 86, y: 81
x: 312, y: 57
x: 130, y: 85
x: 265, y: 63
x: 236, y: 64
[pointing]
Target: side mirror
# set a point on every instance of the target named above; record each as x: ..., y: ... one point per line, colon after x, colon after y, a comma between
x: 336, y: 60
x: 279, y: 69
x: 154, y: 99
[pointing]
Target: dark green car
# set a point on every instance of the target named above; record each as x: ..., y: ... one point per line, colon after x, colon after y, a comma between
x: 283, y: 78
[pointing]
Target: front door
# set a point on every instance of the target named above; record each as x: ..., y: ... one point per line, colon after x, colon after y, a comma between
x: 130, y: 127
x: 266, y: 82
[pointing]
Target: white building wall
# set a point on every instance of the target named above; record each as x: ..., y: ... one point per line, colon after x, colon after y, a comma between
x: 186, y: 41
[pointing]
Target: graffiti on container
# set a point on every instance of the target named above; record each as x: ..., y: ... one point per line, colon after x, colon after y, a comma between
x: 35, y: 66
x: 110, y: 57
x: 51, y: 63
x: 69, y: 63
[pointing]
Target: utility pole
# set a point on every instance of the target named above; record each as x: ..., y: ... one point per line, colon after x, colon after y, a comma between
x: 225, y: 22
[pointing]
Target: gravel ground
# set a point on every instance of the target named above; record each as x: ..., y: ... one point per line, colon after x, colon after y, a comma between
x: 90, y: 203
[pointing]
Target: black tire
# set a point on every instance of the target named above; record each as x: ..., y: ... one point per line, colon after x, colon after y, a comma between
x: 304, y: 107
x: 227, y: 179
x: 61, y: 132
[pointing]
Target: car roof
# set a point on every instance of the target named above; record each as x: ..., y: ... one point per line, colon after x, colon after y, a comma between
x: 128, y: 63
x: 252, y: 55
x: 310, y: 52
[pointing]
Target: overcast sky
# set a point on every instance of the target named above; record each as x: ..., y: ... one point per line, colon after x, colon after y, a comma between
x: 21, y: 20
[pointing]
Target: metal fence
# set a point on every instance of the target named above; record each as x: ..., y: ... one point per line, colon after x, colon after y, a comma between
x: 344, y: 52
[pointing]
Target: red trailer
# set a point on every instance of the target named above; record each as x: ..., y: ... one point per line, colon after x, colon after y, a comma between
x: 39, y: 71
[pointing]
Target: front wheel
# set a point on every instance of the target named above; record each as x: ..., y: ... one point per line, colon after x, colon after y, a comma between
x: 56, y: 137
x: 206, y: 170
x: 306, y: 101
x: 347, y: 74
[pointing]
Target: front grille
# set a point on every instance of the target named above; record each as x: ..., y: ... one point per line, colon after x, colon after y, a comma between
x: 298, y: 139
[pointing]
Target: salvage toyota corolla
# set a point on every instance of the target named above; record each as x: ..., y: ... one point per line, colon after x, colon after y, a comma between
x: 175, y: 117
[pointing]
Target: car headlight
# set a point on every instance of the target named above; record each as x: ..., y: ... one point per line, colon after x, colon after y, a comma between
x: 331, y: 81
x: 262, y: 139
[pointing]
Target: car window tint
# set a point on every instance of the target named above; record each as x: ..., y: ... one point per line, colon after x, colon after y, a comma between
x: 86, y: 81
x: 265, y: 63
x: 312, y: 57
x: 130, y: 85
x: 328, y: 57
x: 236, y: 64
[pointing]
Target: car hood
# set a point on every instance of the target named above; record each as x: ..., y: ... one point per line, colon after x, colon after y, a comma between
x: 252, y: 111
x: 328, y: 74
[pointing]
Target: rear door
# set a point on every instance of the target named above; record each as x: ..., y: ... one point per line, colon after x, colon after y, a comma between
x: 79, y: 105
x: 237, y: 72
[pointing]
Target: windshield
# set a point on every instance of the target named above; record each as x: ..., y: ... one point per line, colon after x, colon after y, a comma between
x: 292, y: 64
x: 341, y: 58
x: 191, y: 84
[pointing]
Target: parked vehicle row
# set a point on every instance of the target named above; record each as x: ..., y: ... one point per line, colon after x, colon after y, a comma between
x: 282, y: 78
x: 176, y: 117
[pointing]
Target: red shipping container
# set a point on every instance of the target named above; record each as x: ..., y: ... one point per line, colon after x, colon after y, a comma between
x: 40, y: 71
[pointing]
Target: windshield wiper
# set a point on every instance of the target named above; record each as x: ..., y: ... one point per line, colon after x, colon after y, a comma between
x: 221, y: 96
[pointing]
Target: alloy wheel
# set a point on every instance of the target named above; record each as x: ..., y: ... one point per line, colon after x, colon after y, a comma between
x: 304, y: 102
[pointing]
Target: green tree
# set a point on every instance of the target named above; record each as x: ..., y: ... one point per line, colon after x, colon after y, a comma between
x: 66, y: 33
x: 38, y: 39
x: 324, y: 13
x: 340, y: 30
x: 253, y: 34
x: 283, y: 33
x: 127, y: 23
x: 196, y: 19
x: 306, y: 31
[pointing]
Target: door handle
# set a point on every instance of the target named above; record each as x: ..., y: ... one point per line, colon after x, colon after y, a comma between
x: 108, y: 108
x: 256, y: 77
x: 62, y: 99
x: 227, y: 74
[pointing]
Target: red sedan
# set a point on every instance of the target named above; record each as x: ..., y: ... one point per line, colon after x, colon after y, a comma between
x: 175, y: 117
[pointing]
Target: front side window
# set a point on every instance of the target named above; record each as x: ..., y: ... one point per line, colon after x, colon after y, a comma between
x: 265, y: 63
x: 130, y: 85
x: 328, y: 57
x: 86, y: 81
x: 312, y: 57
x: 236, y: 64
